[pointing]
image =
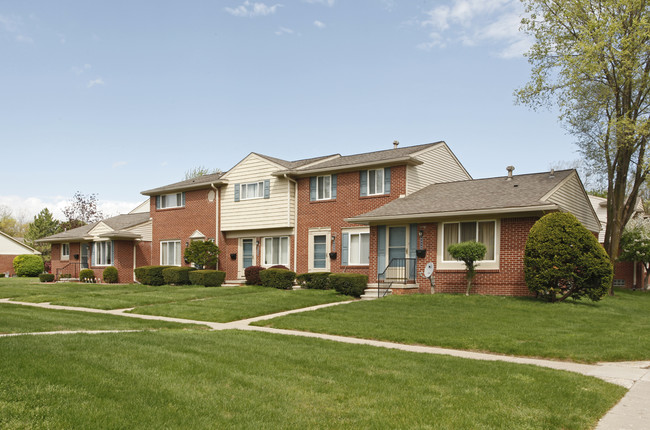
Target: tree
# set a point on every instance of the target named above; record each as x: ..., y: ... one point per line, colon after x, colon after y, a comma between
x: 562, y: 260
x: 14, y: 227
x: 469, y: 253
x: 43, y: 225
x: 635, y: 245
x: 592, y: 59
x: 200, y: 171
x: 202, y: 253
x: 81, y: 210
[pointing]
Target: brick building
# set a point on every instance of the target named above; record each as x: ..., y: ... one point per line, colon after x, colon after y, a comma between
x: 10, y: 248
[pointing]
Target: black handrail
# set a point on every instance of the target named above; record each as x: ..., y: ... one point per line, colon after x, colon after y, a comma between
x: 75, y: 267
x: 404, y: 270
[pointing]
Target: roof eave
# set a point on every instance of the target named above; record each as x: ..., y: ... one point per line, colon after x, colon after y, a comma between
x: 190, y: 187
x: 409, y: 161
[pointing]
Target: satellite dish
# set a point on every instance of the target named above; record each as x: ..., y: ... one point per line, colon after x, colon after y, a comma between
x: 428, y: 270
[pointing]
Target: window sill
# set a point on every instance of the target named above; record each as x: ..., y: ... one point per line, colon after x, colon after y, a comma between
x: 170, y: 209
x: 374, y: 196
x: 322, y: 201
x: 357, y: 266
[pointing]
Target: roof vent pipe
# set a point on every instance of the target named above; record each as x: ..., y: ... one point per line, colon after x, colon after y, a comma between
x: 552, y: 175
x: 510, y: 169
x: 395, y: 144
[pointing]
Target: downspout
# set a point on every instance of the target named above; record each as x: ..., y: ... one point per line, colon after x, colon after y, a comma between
x: 216, y: 218
x: 635, y: 267
x: 295, y: 227
x: 134, y: 261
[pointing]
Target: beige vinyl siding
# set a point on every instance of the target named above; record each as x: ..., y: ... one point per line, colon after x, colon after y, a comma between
x: 100, y: 228
x: 439, y: 165
x: 571, y: 197
x: 9, y: 247
x: 274, y: 212
x: 144, y: 230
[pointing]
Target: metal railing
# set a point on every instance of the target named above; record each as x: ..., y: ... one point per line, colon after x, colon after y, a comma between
x: 399, y: 270
x: 74, y: 273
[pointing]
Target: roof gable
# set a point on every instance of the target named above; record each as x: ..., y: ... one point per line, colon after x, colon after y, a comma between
x: 11, y: 246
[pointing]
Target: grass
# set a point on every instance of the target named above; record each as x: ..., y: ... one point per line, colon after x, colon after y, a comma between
x: 614, y: 329
x: 238, y: 379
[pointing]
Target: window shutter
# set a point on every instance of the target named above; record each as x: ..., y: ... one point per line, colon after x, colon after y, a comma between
x: 413, y: 240
x: 112, y: 262
x: 312, y: 188
x: 334, y: 186
x: 267, y: 188
x: 363, y: 181
x: 381, y: 249
x: 236, y: 192
x: 344, y: 248
x: 387, y: 180
x: 183, y: 199
x: 157, y: 202
x: 93, y: 248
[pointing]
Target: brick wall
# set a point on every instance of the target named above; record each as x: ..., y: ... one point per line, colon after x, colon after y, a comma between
x: 7, y: 264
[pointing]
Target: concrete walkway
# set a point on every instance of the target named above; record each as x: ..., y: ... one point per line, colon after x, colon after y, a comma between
x: 632, y: 412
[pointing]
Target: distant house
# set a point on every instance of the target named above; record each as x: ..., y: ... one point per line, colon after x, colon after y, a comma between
x: 10, y: 248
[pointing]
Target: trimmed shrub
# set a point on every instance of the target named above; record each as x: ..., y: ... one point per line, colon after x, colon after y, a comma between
x: 314, y: 280
x: 350, y: 284
x: 279, y: 266
x: 177, y: 275
x: 87, y: 275
x: 203, y: 253
x: 110, y: 275
x: 65, y: 276
x: 563, y: 259
x: 150, y: 275
x: 207, y: 278
x: 469, y: 253
x: 252, y: 274
x: 28, y: 265
x: 45, y: 277
x: 278, y: 278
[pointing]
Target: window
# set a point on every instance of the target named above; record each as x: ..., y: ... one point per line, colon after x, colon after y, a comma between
x: 170, y: 253
x: 254, y: 190
x: 359, y: 249
x: 276, y: 251
x: 102, y: 253
x: 65, y: 251
x: 166, y: 201
x: 375, y: 182
x: 478, y: 231
x: 320, y: 252
x: 323, y: 187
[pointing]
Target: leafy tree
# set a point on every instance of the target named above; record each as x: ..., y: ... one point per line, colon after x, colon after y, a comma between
x: 200, y: 171
x: 563, y: 259
x: 82, y: 210
x: 11, y: 225
x: 202, y: 253
x: 592, y: 59
x: 469, y: 253
x: 28, y: 265
x: 43, y: 225
x: 635, y: 245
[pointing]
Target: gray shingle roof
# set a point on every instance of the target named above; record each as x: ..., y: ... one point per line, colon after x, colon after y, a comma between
x: 188, y: 184
x: 295, y: 164
x: 117, y: 223
x: 491, y: 194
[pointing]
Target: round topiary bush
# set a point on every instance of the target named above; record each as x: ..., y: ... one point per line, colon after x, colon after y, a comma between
x: 563, y: 259
x: 87, y: 275
x: 252, y: 274
x: 28, y: 265
x: 110, y: 275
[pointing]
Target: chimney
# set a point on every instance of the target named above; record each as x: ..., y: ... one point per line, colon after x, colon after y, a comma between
x: 395, y: 144
x: 510, y: 169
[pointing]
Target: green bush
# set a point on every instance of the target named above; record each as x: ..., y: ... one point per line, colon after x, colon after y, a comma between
x: 28, y: 265
x: 65, y: 276
x: 2, y: 275
x: 314, y: 280
x: 469, y: 253
x: 46, y: 277
x: 252, y: 274
x: 87, y: 275
x: 350, y: 284
x: 177, y: 275
x: 110, y: 275
x: 563, y: 259
x: 150, y: 275
x: 203, y: 253
x: 207, y: 278
x: 278, y: 278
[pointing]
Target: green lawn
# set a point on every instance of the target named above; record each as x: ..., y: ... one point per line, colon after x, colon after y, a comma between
x: 614, y: 329
x: 235, y: 379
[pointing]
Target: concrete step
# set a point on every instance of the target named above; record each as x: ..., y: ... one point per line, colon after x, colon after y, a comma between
x: 374, y: 293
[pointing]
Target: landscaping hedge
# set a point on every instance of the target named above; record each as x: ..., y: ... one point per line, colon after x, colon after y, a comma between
x: 252, y: 274
x: 278, y: 278
x: 314, y: 280
x: 177, y: 275
x: 44, y: 277
x: 110, y: 275
x: 28, y: 265
x: 350, y: 284
x: 207, y: 278
x: 87, y: 275
x: 150, y: 275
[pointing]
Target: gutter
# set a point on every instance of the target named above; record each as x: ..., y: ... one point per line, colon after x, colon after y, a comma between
x: 295, y: 227
x: 409, y: 161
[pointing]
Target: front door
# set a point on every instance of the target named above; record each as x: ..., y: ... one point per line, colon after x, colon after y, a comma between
x: 84, y: 256
x: 247, y: 255
x: 396, y: 253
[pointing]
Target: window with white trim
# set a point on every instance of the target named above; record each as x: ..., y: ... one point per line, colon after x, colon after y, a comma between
x: 168, y: 201
x: 253, y: 190
x: 375, y: 182
x: 276, y: 251
x: 65, y: 251
x: 359, y: 249
x: 477, y: 231
x: 324, y: 187
x: 102, y: 253
x: 170, y: 253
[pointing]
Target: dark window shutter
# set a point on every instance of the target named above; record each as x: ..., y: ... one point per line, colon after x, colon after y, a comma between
x: 381, y: 248
x: 312, y: 188
x: 363, y: 182
x: 157, y: 202
x: 387, y: 180
x: 236, y: 192
x: 183, y: 199
x: 344, y: 248
x: 267, y: 188
x: 334, y: 186
x: 413, y: 240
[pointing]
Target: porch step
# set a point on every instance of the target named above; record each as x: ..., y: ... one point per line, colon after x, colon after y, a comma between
x: 68, y: 280
x: 374, y: 293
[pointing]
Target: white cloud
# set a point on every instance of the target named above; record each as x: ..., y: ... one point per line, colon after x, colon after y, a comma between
x: 12, y: 24
x: 319, y: 24
x: 329, y: 3
x: 249, y: 9
x: 120, y: 164
x: 24, y: 39
x: 283, y: 30
x: 94, y: 82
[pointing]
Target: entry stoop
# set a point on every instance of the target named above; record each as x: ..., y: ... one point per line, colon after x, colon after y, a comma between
x: 371, y: 292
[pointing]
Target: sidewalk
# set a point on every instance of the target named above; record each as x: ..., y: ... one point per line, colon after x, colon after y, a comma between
x: 632, y: 412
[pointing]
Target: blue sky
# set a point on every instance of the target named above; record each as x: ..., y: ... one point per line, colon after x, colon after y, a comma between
x: 115, y: 97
